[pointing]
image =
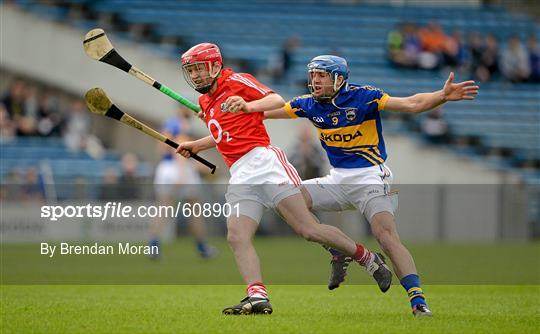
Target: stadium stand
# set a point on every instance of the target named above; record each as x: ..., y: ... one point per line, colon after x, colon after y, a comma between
x: 504, y: 118
x: 54, y: 163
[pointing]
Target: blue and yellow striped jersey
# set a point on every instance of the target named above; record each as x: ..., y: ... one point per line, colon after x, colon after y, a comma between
x: 350, y: 128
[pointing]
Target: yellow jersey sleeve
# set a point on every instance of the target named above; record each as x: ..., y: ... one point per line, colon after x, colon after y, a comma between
x: 382, y: 101
x: 290, y: 110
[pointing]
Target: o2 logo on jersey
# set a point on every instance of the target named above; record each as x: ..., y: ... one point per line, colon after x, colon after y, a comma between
x: 350, y: 114
x: 220, y: 133
x: 318, y: 119
x: 211, y: 112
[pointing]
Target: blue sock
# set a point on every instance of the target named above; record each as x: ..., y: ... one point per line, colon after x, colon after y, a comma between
x: 201, y: 246
x: 411, y: 283
x: 153, y: 242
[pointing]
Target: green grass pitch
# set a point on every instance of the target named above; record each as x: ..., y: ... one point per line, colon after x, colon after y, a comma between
x: 471, y: 288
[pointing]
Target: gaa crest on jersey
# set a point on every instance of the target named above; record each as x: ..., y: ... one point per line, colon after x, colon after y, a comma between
x: 350, y: 114
x: 224, y: 107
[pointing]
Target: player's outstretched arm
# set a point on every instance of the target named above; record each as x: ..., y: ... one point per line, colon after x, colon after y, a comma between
x: 269, y: 102
x: 421, y: 102
x: 195, y: 146
x: 276, y: 114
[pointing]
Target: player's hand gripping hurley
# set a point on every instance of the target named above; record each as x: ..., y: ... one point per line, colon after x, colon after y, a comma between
x: 99, y: 103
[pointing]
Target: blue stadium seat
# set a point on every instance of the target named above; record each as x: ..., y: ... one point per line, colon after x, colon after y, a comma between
x: 22, y: 153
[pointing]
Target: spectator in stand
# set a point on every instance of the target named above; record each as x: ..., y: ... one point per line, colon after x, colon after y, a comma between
x: 14, y: 100
x: 490, y: 55
x: 33, y: 188
x: 404, y: 46
x: 394, y: 39
x: 475, y: 48
x: 454, y: 52
x: 7, y: 127
x: 515, y: 64
x: 48, y: 116
x: 77, y: 126
x: 433, y: 42
x: 26, y: 126
x: 16, y: 106
x: 129, y: 179
x: 484, y: 55
x: 109, y: 185
x: 283, y: 62
x: 534, y: 59
x: 77, y: 134
x: 434, y: 127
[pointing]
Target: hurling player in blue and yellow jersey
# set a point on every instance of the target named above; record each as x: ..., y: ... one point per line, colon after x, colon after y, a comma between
x: 347, y: 117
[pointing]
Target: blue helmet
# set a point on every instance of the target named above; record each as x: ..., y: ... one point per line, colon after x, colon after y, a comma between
x: 333, y: 65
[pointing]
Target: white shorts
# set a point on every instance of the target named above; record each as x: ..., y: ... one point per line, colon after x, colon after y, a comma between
x: 260, y: 180
x: 353, y: 188
x: 178, y: 180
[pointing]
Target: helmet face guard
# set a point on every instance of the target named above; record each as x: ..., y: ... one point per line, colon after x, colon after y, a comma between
x: 333, y: 65
x: 201, y: 65
x: 325, y: 96
x: 200, y: 75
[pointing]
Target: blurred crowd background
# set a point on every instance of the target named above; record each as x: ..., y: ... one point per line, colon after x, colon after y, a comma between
x: 479, y: 56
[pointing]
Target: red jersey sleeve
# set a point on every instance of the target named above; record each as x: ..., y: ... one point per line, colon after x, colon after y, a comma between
x: 248, y: 87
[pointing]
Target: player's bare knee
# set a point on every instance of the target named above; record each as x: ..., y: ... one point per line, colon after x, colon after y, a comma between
x: 383, y: 221
x: 305, y: 233
x: 232, y: 238
x: 237, y: 239
x: 383, y: 228
x: 235, y: 236
x: 388, y: 240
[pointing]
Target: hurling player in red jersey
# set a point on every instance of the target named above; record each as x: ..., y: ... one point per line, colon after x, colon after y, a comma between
x: 261, y: 176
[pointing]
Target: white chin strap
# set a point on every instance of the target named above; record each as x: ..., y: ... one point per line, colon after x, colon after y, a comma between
x: 335, y: 83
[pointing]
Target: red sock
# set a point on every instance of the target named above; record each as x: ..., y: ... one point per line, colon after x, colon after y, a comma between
x: 362, y: 255
x: 257, y: 289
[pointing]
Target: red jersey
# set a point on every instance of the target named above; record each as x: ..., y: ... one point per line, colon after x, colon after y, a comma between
x: 235, y: 133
